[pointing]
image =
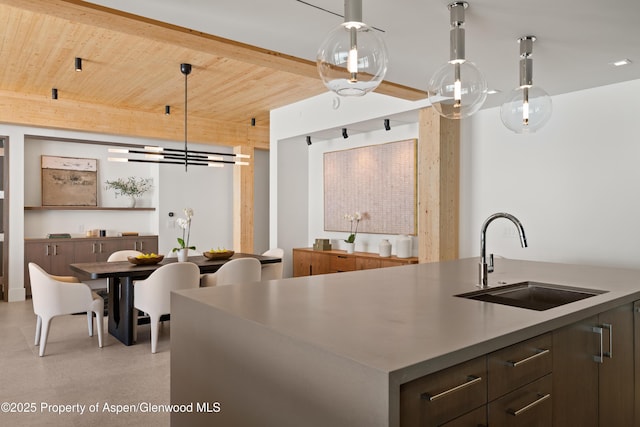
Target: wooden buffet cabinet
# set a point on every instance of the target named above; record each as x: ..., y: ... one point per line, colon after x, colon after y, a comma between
x: 55, y: 255
x: 309, y: 262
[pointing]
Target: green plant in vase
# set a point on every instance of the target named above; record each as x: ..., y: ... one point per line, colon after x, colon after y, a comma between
x: 132, y: 187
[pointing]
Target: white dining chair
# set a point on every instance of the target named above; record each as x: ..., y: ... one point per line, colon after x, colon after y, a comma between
x: 153, y: 294
x: 274, y: 270
x: 240, y: 270
x: 59, y: 295
x: 123, y: 255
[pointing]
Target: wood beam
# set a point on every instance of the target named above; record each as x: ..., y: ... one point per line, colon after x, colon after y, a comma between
x: 103, y: 17
x: 438, y: 187
x: 243, y: 203
x: 41, y: 111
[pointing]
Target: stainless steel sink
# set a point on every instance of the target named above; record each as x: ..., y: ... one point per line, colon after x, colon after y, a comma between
x: 532, y: 295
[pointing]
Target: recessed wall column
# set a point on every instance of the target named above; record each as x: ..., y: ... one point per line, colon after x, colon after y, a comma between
x: 243, y: 204
x: 438, y: 187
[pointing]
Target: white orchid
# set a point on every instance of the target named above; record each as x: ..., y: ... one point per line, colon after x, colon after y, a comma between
x: 354, y: 217
x: 185, y: 224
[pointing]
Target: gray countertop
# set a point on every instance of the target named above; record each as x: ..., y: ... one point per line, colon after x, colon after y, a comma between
x: 406, y: 321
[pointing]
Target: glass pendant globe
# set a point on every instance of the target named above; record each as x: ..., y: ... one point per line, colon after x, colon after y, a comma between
x: 350, y: 72
x: 456, y: 98
x: 514, y: 112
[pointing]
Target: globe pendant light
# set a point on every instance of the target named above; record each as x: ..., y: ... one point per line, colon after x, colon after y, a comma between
x: 527, y: 107
x: 352, y: 60
x: 458, y: 88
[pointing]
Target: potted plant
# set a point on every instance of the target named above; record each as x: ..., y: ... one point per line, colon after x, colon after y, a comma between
x: 353, y: 230
x: 185, y: 224
x: 132, y: 187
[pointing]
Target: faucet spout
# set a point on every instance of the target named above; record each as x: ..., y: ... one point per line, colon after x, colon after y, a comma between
x: 485, y: 268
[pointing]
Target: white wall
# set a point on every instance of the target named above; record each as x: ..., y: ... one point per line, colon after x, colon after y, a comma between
x: 572, y: 184
x: 364, y: 242
x: 209, y: 191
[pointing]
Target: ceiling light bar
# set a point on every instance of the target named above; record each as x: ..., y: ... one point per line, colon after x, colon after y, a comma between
x: 621, y: 62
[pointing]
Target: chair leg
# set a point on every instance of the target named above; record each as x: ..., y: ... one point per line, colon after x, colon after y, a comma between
x: 154, y: 321
x: 38, y: 329
x: 90, y: 322
x: 44, y: 335
x: 100, y: 326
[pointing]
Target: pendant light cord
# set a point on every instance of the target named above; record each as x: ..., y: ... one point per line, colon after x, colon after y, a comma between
x: 185, y: 120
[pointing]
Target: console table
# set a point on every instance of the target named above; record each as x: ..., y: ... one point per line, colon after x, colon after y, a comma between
x: 308, y: 262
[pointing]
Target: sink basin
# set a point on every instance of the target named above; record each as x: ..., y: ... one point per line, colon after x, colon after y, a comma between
x: 532, y: 295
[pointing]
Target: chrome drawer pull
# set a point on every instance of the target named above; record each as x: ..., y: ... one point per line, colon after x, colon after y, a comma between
x: 471, y: 379
x: 525, y: 360
x: 598, y: 358
x: 540, y: 399
x: 609, y: 353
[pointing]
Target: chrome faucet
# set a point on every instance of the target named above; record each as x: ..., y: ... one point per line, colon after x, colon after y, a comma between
x: 485, y: 268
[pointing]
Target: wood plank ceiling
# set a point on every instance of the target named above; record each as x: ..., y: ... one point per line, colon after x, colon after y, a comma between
x: 131, y: 70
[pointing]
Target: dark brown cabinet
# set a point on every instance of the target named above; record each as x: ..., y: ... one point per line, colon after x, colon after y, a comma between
x: 593, y: 368
x: 509, y: 387
x: 55, y: 255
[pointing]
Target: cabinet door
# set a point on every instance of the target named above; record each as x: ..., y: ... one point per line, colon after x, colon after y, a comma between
x: 36, y: 252
x: 147, y: 244
x: 61, y: 255
x: 575, y: 374
x: 320, y: 263
x: 104, y: 248
x: 85, y: 251
x: 616, y: 370
x: 636, y: 343
x: 301, y: 263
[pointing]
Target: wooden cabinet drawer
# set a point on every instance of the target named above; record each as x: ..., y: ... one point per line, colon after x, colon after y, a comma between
x: 363, y: 263
x: 519, y: 364
x: 475, y: 418
x: 442, y: 396
x: 339, y: 263
x: 527, y: 406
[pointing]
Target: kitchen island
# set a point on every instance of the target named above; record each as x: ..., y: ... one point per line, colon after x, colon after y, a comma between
x: 339, y: 349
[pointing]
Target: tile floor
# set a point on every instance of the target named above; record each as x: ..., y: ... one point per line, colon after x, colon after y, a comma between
x: 75, y: 371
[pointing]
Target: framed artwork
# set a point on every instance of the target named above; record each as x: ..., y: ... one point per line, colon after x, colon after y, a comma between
x: 69, y: 181
x: 379, y: 181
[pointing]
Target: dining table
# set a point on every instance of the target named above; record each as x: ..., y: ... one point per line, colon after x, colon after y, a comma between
x: 121, y: 276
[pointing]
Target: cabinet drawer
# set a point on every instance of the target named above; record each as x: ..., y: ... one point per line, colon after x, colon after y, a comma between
x: 340, y: 263
x: 519, y: 364
x: 527, y: 406
x: 442, y: 396
x: 363, y: 263
x: 475, y: 418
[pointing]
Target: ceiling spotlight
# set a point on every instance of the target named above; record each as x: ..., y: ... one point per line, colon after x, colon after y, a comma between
x: 345, y: 135
x: 527, y: 108
x: 54, y: 93
x: 78, y: 64
x: 352, y: 60
x: 621, y: 62
x: 387, y: 125
x: 308, y: 140
x: 458, y: 88
x: 167, y: 110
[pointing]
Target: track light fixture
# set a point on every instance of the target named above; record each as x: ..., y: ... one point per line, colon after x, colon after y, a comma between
x: 352, y: 60
x: 345, y: 135
x: 78, y: 64
x: 458, y: 88
x: 308, y: 140
x: 54, y: 93
x: 167, y: 110
x: 387, y: 125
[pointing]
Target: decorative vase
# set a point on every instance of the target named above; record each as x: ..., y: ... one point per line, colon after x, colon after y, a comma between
x: 132, y: 202
x: 350, y: 247
x: 183, y: 254
x: 384, y: 248
x: 403, y: 246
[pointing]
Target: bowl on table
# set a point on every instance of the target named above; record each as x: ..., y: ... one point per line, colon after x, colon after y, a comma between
x: 149, y: 260
x: 218, y: 255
